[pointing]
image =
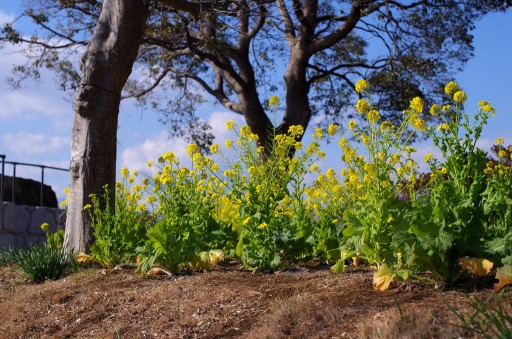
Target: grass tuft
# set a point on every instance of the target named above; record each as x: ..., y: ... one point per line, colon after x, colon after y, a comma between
x: 42, y: 262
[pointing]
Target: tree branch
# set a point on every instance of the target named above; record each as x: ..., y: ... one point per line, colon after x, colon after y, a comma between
x: 288, y: 23
x: 150, y: 88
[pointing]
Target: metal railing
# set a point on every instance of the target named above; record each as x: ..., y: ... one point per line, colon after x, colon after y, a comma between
x: 14, y: 164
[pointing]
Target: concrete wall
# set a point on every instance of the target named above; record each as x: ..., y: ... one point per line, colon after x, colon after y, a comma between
x: 20, y: 226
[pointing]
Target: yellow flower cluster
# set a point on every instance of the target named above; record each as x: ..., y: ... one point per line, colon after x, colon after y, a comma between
x: 362, y: 86
x: 363, y: 106
x: 451, y: 88
x: 416, y: 105
x: 460, y: 97
x: 274, y: 101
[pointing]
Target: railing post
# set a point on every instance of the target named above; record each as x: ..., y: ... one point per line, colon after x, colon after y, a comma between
x: 13, y: 193
x: 2, y: 156
x: 42, y: 184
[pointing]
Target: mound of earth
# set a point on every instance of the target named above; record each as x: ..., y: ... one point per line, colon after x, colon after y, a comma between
x: 305, y: 302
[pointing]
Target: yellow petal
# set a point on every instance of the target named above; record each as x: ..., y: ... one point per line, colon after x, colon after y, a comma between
x: 476, y: 266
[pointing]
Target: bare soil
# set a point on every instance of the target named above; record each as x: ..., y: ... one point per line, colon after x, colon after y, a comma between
x: 304, y: 302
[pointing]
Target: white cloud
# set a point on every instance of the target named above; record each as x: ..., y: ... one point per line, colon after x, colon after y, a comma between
x: 5, y: 18
x: 31, y: 104
x: 136, y: 157
x: 24, y: 143
x: 34, y: 101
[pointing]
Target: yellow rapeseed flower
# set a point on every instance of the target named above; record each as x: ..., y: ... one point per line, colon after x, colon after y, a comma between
x: 362, y: 106
x: 332, y: 129
x: 319, y: 134
x: 86, y: 207
x: 362, y: 85
x: 419, y: 125
x: 435, y: 109
x: 229, y: 143
x: 387, y: 126
x: 443, y: 127
x: 416, y: 105
x: 428, y: 157
x: 373, y: 116
x: 499, y: 141
x: 451, y: 88
x: 230, y: 124
x: 125, y: 172
x: 150, y: 163
x: 486, y: 107
x: 169, y: 156
x: 214, y: 148
x: 460, y: 97
x: 409, y: 149
x: 245, y: 131
x: 351, y: 125
x: 502, y: 153
x: 365, y: 138
x: 274, y: 101
x: 192, y: 148
x: 45, y: 226
x: 296, y: 130
x: 262, y: 225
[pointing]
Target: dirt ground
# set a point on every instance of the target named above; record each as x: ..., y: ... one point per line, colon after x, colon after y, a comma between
x: 304, y: 302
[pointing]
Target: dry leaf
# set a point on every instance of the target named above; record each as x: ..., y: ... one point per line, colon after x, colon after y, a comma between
x: 201, y: 261
x: 85, y: 258
x: 156, y: 271
x: 382, y: 278
x: 504, y: 277
x: 476, y: 266
x: 215, y: 256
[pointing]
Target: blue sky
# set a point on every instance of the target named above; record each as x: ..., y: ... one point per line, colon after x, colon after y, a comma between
x: 36, y: 120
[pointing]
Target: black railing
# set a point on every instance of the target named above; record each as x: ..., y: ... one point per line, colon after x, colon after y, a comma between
x: 14, y: 164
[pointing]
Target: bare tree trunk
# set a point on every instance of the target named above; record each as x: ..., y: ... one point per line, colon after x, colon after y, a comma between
x: 106, y: 67
x: 298, y: 109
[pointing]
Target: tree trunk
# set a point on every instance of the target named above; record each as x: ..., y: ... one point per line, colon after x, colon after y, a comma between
x: 298, y: 110
x: 256, y: 118
x: 106, y: 67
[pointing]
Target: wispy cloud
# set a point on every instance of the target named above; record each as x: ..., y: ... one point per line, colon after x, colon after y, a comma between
x: 25, y: 143
x: 5, y: 17
x: 136, y: 157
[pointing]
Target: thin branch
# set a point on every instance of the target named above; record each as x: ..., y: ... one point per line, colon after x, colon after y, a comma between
x: 150, y: 88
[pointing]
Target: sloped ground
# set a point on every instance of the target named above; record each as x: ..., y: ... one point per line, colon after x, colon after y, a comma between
x: 306, y: 302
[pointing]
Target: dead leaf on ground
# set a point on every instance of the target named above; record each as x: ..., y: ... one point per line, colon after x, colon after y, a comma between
x: 85, y: 258
x: 504, y: 277
x: 476, y: 266
x: 156, y: 271
x: 382, y: 278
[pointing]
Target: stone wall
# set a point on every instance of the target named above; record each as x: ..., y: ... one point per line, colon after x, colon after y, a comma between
x: 20, y: 226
